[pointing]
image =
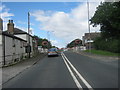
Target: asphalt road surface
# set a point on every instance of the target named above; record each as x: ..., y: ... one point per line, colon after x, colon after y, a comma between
x: 68, y: 70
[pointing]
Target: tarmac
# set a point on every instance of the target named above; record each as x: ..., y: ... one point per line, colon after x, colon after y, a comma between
x: 11, y: 71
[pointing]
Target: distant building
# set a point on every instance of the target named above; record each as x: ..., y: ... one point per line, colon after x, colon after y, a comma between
x: 89, y: 39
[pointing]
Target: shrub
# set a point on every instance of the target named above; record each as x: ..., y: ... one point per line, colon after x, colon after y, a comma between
x: 111, y: 45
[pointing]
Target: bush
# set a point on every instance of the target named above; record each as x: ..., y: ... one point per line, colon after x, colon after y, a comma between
x: 111, y: 45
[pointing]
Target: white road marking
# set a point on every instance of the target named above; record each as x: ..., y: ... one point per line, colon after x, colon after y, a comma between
x: 74, y: 78
x: 80, y: 76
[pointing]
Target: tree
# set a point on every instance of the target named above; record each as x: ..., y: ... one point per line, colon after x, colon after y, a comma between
x: 107, y: 16
x: 40, y: 40
x: 76, y: 42
x: 48, y: 45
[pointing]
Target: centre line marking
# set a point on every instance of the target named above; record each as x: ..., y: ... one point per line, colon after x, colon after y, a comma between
x: 74, y: 78
x: 79, y: 75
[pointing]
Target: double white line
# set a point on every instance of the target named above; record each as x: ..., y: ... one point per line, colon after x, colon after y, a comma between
x: 68, y: 64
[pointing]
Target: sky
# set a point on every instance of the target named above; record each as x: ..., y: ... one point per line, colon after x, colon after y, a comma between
x: 60, y: 22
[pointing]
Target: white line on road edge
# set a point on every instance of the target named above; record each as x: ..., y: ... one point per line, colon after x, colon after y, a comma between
x: 80, y: 76
x: 74, y: 78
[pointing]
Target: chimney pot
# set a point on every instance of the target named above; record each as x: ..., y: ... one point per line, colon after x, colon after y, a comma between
x: 11, y: 27
x: 9, y: 21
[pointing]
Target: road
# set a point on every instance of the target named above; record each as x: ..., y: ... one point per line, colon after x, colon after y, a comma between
x: 68, y: 70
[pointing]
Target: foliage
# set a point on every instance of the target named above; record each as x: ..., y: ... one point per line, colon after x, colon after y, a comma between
x: 40, y: 40
x: 111, y: 45
x: 73, y: 44
x: 107, y: 16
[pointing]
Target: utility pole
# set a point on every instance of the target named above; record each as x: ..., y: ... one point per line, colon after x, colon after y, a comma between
x: 89, y: 28
x: 29, y: 50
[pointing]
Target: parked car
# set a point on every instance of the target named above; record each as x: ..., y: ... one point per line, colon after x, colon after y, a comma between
x: 53, y: 52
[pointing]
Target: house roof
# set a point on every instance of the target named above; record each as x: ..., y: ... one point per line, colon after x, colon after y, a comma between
x: 18, y: 31
x: 92, y: 35
x: 12, y: 36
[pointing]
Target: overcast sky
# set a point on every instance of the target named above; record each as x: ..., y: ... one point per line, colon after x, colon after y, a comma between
x: 62, y: 21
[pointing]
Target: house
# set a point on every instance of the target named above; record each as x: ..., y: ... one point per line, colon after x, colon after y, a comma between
x: 88, y: 39
x: 15, y: 44
x: 31, y: 42
x: 12, y: 46
x: 25, y: 36
x: 29, y: 38
x: 1, y: 53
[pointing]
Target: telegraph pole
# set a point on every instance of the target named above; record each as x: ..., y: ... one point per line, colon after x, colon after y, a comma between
x: 29, y: 50
x: 89, y: 27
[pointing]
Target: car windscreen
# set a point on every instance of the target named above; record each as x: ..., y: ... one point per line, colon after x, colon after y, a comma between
x: 53, y: 49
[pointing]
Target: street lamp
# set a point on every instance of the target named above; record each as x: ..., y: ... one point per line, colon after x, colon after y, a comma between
x: 89, y: 27
x: 48, y: 35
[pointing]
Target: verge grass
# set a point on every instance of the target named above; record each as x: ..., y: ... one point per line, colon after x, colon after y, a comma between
x: 101, y: 52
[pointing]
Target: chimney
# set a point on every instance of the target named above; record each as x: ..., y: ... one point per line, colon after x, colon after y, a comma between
x: 1, y: 24
x: 10, y: 27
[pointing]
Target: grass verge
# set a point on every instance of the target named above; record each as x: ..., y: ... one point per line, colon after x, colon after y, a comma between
x: 101, y: 52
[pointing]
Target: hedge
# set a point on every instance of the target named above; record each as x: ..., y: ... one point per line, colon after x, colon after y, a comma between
x: 111, y: 45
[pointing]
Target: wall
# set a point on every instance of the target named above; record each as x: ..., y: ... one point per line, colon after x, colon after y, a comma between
x: 31, y: 43
x: 14, y: 50
x: 9, y: 50
x: 1, y: 52
x: 22, y: 36
x: 25, y: 37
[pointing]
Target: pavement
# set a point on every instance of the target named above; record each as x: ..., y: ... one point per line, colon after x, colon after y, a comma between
x: 10, y: 72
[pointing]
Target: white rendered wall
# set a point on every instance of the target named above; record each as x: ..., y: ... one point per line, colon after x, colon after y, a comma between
x: 13, y: 49
x: 25, y: 37
x: 1, y: 51
x: 22, y: 36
